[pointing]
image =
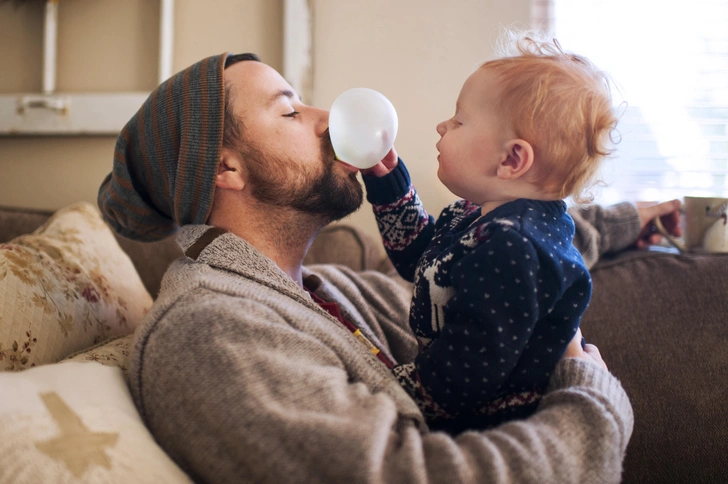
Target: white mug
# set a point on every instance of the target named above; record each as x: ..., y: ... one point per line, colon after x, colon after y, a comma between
x: 705, y: 225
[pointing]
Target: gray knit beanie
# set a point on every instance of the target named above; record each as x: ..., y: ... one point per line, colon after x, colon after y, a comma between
x: 167, y: 155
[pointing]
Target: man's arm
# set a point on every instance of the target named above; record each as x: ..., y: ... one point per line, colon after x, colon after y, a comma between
x: 600, y: 230
x: 234, y: 393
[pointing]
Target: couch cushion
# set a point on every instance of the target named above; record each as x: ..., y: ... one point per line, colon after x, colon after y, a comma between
x: 347, y: 245
x: 151, y: 259
x: 660, y: 321
x: 76, y: 422
x: 65, y: 287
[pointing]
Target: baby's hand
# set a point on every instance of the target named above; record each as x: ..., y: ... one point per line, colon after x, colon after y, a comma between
x: 388, y: 163
x: 589, y: 352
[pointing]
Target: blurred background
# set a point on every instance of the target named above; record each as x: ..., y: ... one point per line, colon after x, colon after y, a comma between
x: 670, y: 60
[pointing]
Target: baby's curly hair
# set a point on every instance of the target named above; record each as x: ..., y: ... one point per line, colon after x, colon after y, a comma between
x: 559, y: 102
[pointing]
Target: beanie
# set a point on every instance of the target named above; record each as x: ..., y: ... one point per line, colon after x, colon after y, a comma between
x: 167, y: 155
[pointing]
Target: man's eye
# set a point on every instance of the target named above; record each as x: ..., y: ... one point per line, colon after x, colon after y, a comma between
x: 292, y: 114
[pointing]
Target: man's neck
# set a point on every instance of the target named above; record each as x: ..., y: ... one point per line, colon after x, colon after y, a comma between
x: 283, y: 235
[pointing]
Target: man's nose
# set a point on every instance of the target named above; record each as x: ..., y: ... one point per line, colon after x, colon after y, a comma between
x: 322, y: 121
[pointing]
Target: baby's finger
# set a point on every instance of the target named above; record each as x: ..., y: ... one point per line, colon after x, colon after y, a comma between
x: 574, y: 349
x: 593, y: 352
x: 377, y: 170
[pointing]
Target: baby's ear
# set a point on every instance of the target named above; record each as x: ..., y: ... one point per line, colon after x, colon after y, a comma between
x: 229, y: 171
x: 518, y: 159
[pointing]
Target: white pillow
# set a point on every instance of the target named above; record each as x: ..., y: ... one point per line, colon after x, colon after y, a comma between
x: 76, y: 423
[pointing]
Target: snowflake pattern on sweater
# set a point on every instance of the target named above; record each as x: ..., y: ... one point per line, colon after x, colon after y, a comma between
x: 496, y: 300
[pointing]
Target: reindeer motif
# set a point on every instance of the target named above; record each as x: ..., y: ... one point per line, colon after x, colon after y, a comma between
x: 439, y: 296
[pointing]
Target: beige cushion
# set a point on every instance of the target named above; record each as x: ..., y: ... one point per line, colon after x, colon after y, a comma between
x: 65, y: 287
x: 347, y: 245
x: 661, y: 322
x: 73, y: 423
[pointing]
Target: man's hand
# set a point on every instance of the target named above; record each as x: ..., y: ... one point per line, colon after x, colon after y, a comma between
x: 589, y: 352
x: 669, y: 213
x: 388, y: 163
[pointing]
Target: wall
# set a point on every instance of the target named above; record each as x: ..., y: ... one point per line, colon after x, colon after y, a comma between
x: 417, y: 52
x: 107, y: 45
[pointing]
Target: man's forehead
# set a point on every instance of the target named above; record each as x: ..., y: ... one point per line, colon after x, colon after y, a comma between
x: 258, y: 84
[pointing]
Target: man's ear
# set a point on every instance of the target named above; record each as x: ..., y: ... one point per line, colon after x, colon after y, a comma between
x: 518, y: 159
x: 229, y: 171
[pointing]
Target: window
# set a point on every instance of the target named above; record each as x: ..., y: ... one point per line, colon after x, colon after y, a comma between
x: 670, y: 62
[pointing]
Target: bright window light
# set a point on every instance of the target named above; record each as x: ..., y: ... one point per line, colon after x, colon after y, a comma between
x: 669, y: 60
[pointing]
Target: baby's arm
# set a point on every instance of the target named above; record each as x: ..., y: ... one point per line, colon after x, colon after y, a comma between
x: 405, y: 226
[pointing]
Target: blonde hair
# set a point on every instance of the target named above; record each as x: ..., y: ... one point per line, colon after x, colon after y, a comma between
x: 561, y: 104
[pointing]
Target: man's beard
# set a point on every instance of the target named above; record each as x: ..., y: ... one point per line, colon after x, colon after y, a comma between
x: 289, y: 184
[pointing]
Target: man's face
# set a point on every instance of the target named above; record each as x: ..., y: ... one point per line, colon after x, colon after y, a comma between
x: 286, y: 147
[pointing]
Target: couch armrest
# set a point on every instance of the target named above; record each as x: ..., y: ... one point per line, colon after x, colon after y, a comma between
x: 660, y: 321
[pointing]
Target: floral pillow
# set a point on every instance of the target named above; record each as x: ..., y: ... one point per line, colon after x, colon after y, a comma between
x: 113, y: 352
x: 65, y: 287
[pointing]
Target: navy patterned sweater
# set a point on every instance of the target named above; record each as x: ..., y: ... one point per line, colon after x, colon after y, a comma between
x: 496, y: 300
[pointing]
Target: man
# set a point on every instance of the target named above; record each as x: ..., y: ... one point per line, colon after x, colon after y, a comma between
x: 252, y: 368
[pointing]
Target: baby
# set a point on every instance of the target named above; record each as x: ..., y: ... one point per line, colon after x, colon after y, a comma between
x: 499, y: 289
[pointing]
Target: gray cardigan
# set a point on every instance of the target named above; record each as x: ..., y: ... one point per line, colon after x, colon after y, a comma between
x: 241, y: 377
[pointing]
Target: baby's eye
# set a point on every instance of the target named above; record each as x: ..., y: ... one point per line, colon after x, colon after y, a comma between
x: 292, y: 114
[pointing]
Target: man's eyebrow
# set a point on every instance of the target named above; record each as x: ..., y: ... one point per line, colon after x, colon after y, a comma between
x: 283, y: 93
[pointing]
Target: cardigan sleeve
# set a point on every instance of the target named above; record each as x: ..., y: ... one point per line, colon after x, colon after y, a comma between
x: 601, y: 230
x: 262, y: 402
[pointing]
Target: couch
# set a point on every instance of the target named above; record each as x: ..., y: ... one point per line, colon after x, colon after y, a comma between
x: 660, y: 319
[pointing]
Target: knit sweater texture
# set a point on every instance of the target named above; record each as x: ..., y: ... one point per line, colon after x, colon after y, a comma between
x: 242, y: 377
x: 496, y: 300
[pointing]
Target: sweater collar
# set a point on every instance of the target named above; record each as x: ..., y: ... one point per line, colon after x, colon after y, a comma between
x: 225, y: 250
x: 557, y: 208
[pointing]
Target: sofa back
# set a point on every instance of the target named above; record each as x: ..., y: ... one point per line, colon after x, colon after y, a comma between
x: 336, y: 244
